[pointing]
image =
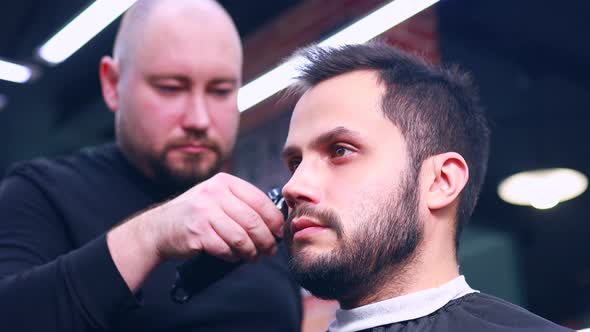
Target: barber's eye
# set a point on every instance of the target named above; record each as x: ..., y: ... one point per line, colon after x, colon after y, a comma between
x: 168, y: 88
x: 221, y: 92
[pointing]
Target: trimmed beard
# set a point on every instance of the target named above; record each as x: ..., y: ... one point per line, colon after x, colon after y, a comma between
x: 379, y: 249
x: 182, y: 178
x: 157, y: 168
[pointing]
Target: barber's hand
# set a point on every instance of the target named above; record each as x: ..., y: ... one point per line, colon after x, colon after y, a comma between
x: 224, y: 216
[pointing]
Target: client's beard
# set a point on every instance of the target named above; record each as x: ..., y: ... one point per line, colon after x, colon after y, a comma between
x: 379, y: 250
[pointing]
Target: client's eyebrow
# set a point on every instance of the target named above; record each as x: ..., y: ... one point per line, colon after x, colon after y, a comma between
x: 322, y: 139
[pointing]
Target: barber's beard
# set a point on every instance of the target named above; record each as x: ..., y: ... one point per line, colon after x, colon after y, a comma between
x: 381, y: 247
x: 182, y: 173
x: 173, y: 176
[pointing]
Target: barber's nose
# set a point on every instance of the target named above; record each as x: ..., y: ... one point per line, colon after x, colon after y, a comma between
x: 197, y: 116
x: 303, y: 187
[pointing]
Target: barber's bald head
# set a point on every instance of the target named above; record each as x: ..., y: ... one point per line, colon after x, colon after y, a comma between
x: 146, y: 13
x: 173, y: 81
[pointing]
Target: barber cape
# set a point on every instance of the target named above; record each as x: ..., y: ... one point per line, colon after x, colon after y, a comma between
x: 453, y: 307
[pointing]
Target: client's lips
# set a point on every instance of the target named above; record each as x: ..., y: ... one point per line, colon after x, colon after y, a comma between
x: 304, y: 227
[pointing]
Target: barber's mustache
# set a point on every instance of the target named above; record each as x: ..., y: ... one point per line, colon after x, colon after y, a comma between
x: 204, y: 142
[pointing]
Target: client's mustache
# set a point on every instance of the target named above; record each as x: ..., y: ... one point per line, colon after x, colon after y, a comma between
x: 326, y: 217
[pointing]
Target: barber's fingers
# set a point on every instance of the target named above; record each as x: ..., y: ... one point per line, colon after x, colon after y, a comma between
x: 251, y: 222
x: 214, y: 245
x: 234, y: 236
x: 260, y: 203
x: 240, y: 215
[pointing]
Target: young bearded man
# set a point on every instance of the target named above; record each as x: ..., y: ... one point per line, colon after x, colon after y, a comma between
x: 388, y: 155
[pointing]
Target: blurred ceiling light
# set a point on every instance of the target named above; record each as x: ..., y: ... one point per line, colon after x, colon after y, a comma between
x: 14, y: 73
x: 361, y: 31
x: 544, y: 188
x: 82, y: 28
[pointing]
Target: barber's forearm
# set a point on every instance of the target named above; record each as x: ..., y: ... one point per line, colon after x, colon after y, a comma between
x: 133, y: 250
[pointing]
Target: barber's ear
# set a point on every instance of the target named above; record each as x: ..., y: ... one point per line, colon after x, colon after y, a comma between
x: 109, y: 79
x: 450, y: 177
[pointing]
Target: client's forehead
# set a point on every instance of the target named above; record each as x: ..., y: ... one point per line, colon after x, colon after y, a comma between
x: 351, y: 101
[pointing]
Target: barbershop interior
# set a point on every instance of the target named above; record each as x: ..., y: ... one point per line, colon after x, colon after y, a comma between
x: 528, y: 240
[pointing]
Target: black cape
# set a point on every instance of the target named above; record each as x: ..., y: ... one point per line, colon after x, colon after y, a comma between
x: 475, y: 312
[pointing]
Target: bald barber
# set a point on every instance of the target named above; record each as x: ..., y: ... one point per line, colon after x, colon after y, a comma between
x: 90, y: 241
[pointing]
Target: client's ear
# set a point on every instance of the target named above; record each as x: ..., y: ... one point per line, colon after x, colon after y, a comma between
x: 450, y: 177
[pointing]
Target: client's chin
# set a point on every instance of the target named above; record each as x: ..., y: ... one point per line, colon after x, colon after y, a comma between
x: 319, y: 274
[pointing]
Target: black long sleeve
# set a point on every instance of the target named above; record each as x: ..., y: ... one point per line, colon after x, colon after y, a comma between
x: 56, y: 273
x: 44, y: 283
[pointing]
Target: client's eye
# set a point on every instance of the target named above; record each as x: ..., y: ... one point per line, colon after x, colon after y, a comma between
x: 293, y: 163
x: 339, y: 151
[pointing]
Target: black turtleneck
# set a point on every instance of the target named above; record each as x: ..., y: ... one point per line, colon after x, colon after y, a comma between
x: 56, y: 273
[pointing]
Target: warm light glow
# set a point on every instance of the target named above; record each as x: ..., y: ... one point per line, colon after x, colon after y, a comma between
x: 543, y: 189
x: 14, y: 73
x: 361, y: 31
x: 82, y: 28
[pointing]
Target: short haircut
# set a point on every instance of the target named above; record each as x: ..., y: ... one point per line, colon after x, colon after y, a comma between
x: 436, y: 109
